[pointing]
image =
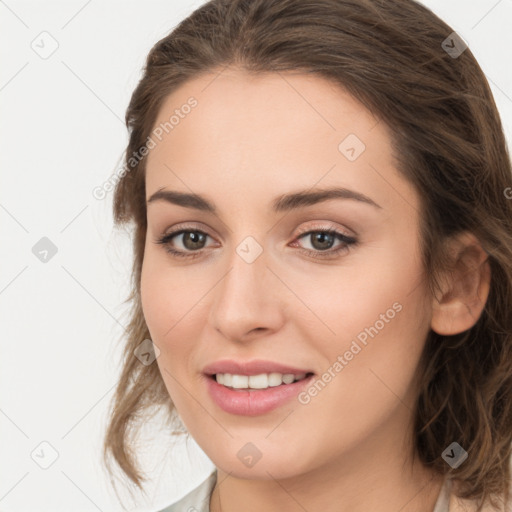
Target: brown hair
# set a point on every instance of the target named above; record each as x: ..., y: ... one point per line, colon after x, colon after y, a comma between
x: 449, y: 142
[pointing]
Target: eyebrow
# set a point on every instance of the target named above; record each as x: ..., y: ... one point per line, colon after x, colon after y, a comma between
x: 282, y: 203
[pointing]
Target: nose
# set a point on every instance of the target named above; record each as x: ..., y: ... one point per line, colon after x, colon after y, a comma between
x: 249, y: 301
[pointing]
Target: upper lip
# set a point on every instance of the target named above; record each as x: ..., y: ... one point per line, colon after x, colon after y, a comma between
x: 254, y: 367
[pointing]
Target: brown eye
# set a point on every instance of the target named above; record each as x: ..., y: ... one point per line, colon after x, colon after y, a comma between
x: 192, y: 241
x: 322, y: 241
x: 189, y: 243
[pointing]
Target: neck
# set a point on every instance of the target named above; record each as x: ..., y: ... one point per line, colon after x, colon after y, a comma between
x: 374, y: 475
x: 385, y: 495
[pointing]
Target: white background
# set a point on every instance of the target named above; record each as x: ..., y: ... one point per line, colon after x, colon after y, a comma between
x: 62, y: 134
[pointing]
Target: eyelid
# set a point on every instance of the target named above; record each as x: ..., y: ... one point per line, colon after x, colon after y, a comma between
x: 326, y: 227
x: 187, y: 227
x: 317, y: 226
x: 181, y: 229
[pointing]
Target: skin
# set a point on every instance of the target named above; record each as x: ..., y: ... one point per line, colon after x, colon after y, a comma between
x: 250, y: 139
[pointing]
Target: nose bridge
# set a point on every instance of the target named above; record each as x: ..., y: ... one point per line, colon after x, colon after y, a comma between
x: 243, y: 284
x: 246, y: 298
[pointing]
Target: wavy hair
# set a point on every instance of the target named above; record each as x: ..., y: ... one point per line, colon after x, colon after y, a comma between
x: 449, y: 143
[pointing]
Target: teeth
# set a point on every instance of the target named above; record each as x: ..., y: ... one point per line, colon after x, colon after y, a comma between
x: 261, y: 381
x: 258, y: 381
x: 239, y: 381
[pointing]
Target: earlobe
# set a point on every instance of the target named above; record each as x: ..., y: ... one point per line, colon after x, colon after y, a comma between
x: 465, y: 288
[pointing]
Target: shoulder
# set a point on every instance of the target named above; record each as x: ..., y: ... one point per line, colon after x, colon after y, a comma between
x: 197, y: 500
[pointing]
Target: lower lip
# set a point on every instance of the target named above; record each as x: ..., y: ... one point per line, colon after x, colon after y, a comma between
x: 256, y: 401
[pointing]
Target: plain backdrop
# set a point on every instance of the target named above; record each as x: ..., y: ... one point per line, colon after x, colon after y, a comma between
x: 67, y: 74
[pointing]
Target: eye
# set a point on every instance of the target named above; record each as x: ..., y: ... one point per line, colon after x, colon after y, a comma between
x: 322, y: 241
x: 192, y: 240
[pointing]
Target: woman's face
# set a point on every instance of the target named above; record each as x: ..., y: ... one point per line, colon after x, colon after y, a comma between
x: 350, y: 307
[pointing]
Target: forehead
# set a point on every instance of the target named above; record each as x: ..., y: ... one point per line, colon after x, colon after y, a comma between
x: 269, y: 131
x: 253, y: 107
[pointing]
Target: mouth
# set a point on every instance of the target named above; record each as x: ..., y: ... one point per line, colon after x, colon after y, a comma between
x: 239, y: 382
x: 254, y: 395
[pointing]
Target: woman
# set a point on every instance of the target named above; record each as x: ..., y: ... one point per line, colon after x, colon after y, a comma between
x: 322, y: 278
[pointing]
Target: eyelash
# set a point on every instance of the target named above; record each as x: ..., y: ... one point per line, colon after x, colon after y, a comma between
x: 347, y: 243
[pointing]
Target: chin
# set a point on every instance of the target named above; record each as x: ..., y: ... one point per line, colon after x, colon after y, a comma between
x: 272, y: 463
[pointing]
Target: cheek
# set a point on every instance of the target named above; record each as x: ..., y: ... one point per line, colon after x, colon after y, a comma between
x: 155, y: 298
x: 366, y: 290
x: 373, y: 313
x: 166, y: 295
x: 174, y: 312
x: 380, y: 321
x: 164, y: 305
x: 161, y: 308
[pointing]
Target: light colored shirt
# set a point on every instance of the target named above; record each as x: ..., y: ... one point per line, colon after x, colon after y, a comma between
x: 197, y: 500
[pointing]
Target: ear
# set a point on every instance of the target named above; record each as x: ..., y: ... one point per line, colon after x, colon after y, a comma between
x: 465, y: 287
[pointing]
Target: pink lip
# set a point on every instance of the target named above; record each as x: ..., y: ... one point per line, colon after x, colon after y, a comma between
x: 250, y: 367
x: 255, y: 401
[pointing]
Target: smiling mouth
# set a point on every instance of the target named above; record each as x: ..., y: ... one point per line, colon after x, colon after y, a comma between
x: 258, y: 382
